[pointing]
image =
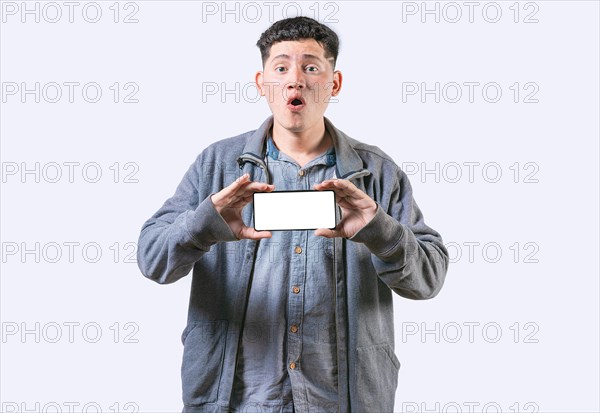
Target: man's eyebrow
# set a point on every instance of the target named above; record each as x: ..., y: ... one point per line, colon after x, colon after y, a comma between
x: 304, y: 56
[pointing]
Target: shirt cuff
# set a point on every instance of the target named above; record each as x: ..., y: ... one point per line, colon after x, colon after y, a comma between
x: 381, y: 235
x: 206, y: 226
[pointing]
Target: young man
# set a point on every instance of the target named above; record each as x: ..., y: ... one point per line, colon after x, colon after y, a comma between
x: 288, y: 321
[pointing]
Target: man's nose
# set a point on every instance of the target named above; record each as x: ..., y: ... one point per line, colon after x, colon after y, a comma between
x: 295, y: 85
x: 296, y: 79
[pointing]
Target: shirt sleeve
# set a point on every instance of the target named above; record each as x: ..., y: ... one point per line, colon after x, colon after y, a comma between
x: 180, y: 232
x: 408, y: 256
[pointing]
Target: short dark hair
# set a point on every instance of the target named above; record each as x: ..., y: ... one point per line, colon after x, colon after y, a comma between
x: 299, y: 28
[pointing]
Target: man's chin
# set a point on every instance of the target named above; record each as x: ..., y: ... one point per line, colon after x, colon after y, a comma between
x: 294, y: 122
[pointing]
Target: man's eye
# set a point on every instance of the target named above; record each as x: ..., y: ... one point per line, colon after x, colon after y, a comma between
x: 312, y: 69
x: 280, y: 69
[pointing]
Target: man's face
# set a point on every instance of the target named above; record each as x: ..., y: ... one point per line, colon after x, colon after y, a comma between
x: 298, y: 81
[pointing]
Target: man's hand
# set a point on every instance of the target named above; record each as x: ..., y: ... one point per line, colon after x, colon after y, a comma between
x: 231, y: 200
x: 357, y: 208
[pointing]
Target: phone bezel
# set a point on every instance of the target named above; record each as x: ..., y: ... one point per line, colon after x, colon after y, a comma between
x: 298, y: 190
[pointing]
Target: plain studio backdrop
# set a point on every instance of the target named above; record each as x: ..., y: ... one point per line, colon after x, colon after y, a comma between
x: 490, y: 107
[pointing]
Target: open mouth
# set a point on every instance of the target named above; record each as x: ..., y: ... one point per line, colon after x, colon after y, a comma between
x: 296, y: 103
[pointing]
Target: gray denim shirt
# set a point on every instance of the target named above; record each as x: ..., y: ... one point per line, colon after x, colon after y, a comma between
x: 395, y: 252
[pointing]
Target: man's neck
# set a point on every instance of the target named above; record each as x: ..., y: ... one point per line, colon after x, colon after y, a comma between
x: 302, y: 146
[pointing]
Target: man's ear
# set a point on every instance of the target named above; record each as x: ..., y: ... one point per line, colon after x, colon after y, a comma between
x: 259, y: 80
x: 337, y: 83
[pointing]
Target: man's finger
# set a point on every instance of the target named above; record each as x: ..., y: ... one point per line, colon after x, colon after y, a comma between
x: 253, y: 187
x: 238, y: 183
x: 328, y: 185
x: 251, y: 233
x: 347, y: 194
x: 242, y: 187
x: 229, y: 191
x: 327, y: 233
x: 342, y: 187
x: 240, y: 202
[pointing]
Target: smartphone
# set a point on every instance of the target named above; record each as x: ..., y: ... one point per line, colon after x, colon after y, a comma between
x: 294, y: 210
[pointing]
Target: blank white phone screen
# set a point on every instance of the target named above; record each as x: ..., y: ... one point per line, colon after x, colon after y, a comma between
x: 294, y: 210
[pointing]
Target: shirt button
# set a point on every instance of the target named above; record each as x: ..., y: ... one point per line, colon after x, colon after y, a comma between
x: 294, y: 328
x: 292, y: 365
x: 295, y: 289
x: 301, y: 172
x: 298, y: 250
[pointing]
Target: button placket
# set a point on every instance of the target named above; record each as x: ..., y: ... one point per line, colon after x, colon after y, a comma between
x: 296, y: 298
x: 299, y: 274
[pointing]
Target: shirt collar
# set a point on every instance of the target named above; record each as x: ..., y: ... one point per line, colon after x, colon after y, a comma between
x: 273, y: 153
x: 348, y: 163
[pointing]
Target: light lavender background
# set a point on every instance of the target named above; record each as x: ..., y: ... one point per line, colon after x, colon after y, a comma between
x: 174, y: 53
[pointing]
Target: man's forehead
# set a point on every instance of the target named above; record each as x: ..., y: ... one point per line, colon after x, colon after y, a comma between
x: 297, y: 49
